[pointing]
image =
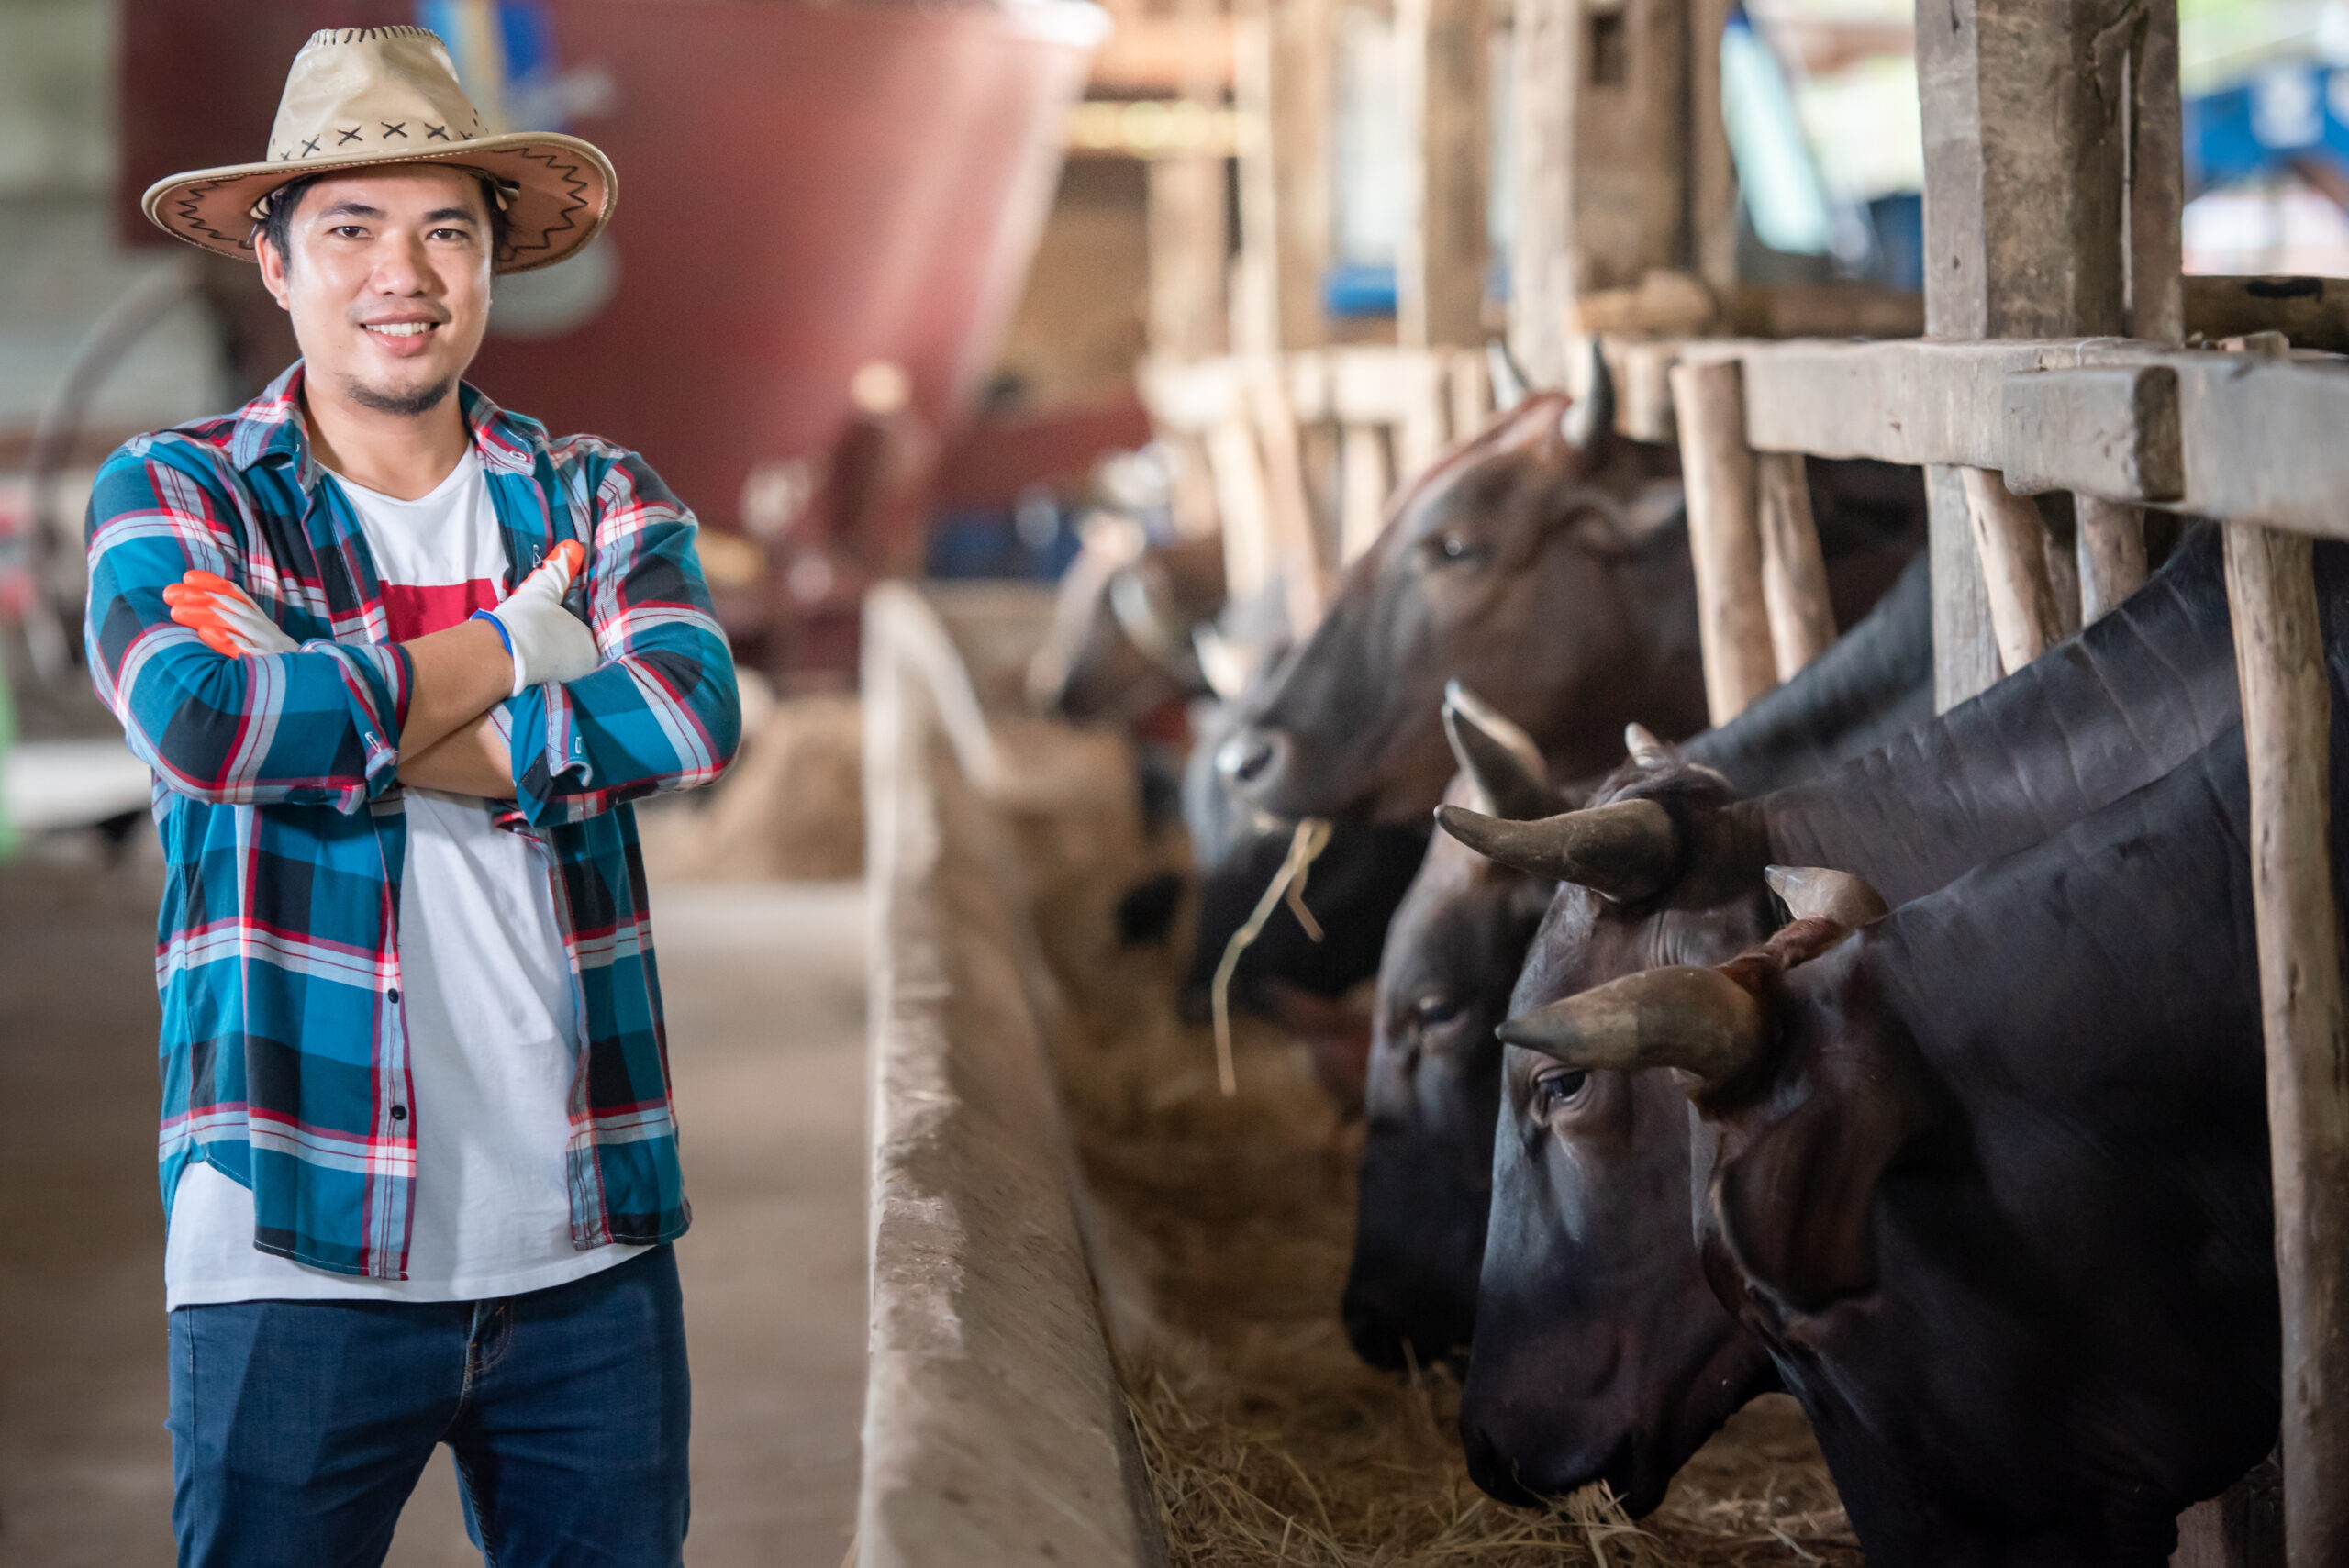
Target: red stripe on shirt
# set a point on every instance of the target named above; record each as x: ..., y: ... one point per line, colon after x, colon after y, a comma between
x: 413, y: 611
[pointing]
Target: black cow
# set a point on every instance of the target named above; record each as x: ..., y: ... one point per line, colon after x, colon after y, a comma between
x: 1992, y: 1176
x: 1601, y: 1351
x: 1457, y: 942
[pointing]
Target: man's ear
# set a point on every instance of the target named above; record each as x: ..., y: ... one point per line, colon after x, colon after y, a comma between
x: 273, y: 270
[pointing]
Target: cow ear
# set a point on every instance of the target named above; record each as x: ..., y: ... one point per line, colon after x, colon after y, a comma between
x: 1794, y: 1199
x: 1500, y: 759
x: 1817, y: 893
x: 1588, y: 424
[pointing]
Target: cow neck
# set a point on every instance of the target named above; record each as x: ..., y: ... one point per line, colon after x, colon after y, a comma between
x: 1875, y: 683
x: 2105, y: 713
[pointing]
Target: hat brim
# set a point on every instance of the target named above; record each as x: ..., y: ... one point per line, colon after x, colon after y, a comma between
x: 564, y: 192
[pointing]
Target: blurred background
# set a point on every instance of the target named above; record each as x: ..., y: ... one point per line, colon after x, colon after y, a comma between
x: 893, y: 290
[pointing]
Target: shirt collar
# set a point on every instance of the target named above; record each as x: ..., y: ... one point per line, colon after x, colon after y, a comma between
x: 270, y: 427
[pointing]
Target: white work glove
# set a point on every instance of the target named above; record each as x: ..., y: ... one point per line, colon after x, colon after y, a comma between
x: 230, y: 623
x: 547, y: 642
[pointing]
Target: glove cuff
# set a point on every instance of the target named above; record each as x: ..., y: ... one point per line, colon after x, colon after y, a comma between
x: 503, y: 635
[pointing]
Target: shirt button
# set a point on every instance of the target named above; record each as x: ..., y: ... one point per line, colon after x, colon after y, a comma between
x: 399, y: 1112
x: 392, y: 995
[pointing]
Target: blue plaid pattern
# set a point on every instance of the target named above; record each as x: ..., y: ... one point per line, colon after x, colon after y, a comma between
x: 284, y: 1054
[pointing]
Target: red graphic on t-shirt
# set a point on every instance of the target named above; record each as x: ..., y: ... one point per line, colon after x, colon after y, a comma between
x: 413, y: 611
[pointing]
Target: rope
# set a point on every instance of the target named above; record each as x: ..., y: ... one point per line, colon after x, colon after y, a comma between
x: 1288, y: 882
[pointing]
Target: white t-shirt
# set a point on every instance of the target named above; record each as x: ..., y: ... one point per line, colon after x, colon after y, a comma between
x: 492, y: 1017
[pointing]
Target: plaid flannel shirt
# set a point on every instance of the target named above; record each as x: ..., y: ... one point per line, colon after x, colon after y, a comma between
x: 284, y: 1057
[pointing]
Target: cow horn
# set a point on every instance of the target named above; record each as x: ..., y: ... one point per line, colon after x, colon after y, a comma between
x: 1626, y: 849
x: 1644, y: 748
x: 1509, y: 382
x: 1683, y: 1017
x: 1222, y: 664
x: 1815, y: 892
x: 1590, y: 418
x: 1500, y: 759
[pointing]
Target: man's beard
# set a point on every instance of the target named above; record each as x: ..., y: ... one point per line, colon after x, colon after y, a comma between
x: 400, y: 405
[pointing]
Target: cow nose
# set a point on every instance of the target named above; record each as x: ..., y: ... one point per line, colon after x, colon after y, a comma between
x: 1489, y: 1470
x: 1251, y: 757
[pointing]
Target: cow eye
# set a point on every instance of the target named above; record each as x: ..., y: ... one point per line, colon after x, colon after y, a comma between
x: 1555, y: 1090
x: 1434, y: 1012
x: 1453, y: 549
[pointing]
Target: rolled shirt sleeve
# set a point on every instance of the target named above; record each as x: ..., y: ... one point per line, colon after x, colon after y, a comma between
x: 319, y: 726
x: 661, y: 712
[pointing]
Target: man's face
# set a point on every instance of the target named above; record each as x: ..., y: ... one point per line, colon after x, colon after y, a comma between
x: 387, y: 283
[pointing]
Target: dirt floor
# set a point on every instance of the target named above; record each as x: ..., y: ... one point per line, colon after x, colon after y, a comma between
x: 765, y: 988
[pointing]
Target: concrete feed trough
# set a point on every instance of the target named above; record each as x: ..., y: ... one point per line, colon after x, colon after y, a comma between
x: 994, y: 1430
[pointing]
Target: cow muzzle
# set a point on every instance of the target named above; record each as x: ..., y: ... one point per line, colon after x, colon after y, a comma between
x: 1255, y: 761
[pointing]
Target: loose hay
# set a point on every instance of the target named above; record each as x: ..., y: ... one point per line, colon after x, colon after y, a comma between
x: 1223, y: 1235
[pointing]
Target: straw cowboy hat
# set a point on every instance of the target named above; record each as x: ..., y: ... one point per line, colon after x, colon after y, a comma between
x: 367, y: 98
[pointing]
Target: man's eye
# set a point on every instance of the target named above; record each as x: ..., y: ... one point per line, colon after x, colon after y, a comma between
x: 1557, y: 1089
x: 348, y: 230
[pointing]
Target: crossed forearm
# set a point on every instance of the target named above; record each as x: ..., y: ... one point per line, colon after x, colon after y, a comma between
x: 448, y: 743
x: 457, y: 675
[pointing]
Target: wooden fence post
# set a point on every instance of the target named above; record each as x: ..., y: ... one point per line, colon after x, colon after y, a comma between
x: 2028, y: 216
x: 1289, y: 509
x: 2011, y: 543
x: 1363, y: 484
x: 1446, y: 47
x: 1187, y: 230
x: 1600, y: 99
x: 2287, y: 714
x: 1712, y: 173
x: 2111, y: 550
x: 1793, y: 571
x: 1540, y: 142
x: 1724, y: 538
x: 1283, y: 66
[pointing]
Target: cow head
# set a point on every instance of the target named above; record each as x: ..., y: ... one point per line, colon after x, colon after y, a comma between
x: 1121, y: 643
x: 1451, y: 958
x: 1533, y: 563
x: 1601, y: 1351
x: 1814, y: 1093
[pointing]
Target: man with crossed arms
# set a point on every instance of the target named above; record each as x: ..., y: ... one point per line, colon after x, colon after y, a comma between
x: 398, y: 661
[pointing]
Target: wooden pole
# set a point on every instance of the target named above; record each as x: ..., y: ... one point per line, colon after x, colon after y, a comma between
x: 1712, y: 173
x: 2028, y: 117
x: 1793, y: 571
x: 1724, y: 538
x: 1288, y: 511
x: 1541, y: 73
x: 2156, y: 175
x: 2286, y: 713
x: 1470, y: 390
x: 1363, y: 486
x: 1600, y: 103
x: 1188, y: 230
x: 1185, y: 227
x: 1299, y: 112
x: 1446, y: 48
x: 2111, y: 547
x: 2011, y: 543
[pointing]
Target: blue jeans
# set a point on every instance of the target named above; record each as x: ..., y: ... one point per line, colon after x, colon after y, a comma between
x: 299, y: 1428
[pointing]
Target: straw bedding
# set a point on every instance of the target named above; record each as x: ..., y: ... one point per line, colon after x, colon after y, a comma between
x: 1223, y: 1228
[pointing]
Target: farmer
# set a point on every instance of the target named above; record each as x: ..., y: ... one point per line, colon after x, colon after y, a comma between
x: 398, y: 661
